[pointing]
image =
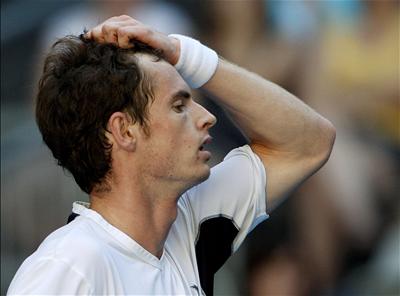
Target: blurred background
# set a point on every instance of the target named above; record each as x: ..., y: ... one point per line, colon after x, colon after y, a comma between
x: 339, y: 234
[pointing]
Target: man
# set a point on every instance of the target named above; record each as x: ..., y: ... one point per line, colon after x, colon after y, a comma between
x: 116, y: 113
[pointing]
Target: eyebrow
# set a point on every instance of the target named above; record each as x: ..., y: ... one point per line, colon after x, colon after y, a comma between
x: 181, y: 94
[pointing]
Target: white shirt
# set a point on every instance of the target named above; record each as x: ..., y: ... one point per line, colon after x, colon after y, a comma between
x: 90, y: 256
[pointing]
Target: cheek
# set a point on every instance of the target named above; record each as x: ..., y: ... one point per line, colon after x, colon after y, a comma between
x: 175, y: 135
x: 179, y: 146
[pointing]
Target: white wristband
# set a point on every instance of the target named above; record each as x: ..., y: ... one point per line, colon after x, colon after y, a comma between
x: 197, y: 63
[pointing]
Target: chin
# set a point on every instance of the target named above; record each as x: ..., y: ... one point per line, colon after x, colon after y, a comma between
x: 205, y: 174
x: 200, y: 176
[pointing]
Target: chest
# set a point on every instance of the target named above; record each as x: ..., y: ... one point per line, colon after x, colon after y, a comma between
x: 171, y: 276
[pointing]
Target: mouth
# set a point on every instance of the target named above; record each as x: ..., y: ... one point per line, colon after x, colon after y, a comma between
x: 204, y: 154
x: 206, y: 140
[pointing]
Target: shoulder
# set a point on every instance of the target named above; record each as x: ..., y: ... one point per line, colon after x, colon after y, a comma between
x: 245, y: 164
x: 239, y: 174
x: 61, y: 263
x: 77, y: 245
x: 75, y: 241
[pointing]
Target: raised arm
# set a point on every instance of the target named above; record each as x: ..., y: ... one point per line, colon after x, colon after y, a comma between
x: 292, y: 140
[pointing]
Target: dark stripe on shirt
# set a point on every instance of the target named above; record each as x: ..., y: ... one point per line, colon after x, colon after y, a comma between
x: 213, y: 248
x: 72, y: 217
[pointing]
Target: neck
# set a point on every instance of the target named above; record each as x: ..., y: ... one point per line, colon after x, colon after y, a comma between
x: 144, y: 213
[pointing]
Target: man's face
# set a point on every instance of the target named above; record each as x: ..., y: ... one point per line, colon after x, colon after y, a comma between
x: 178, y: 128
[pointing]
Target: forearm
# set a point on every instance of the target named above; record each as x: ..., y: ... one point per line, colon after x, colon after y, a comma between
x: 267, y: 114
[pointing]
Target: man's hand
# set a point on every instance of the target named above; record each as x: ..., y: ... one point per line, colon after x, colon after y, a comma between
x: 121, y: 30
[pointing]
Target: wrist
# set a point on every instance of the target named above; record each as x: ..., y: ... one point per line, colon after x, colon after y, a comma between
x: 196, y: 62
x: 176, y: 51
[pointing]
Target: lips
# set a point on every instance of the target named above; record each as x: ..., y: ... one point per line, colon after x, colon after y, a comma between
x: 204, y: 154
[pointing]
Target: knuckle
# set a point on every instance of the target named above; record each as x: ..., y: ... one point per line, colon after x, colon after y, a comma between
x: 104, y: 28
x: 107, y: 28
x: 121, y: 31
x: 132, y: 22
x: 125, y: 17
x: 96, y: 33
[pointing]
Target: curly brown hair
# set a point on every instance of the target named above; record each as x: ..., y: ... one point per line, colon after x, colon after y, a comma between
x: 82, y: 85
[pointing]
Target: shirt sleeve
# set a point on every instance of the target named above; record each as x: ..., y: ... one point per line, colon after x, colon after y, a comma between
x: 49, y: 276
x: 234, y: 191
x: 224, y: 209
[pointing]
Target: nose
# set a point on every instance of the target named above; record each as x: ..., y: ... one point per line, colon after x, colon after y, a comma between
x: 206, y: 119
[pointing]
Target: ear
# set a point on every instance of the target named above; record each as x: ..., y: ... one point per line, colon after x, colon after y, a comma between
x: 123, y: 131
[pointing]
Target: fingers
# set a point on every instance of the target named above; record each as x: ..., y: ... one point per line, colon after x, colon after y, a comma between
x: 108, y: 31
x: 121, y: 30
x: 140, y: 33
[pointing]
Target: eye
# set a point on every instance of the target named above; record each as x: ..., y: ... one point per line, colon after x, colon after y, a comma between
x: 179, y: 106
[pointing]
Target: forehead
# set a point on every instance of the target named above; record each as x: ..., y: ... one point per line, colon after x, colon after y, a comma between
x: 164, y: 78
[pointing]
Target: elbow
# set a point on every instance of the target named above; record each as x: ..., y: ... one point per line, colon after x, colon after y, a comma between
x: 328, y: 136
x: 323, y: 142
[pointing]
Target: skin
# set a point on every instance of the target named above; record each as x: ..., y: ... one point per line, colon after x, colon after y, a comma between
x: 150, y: 173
